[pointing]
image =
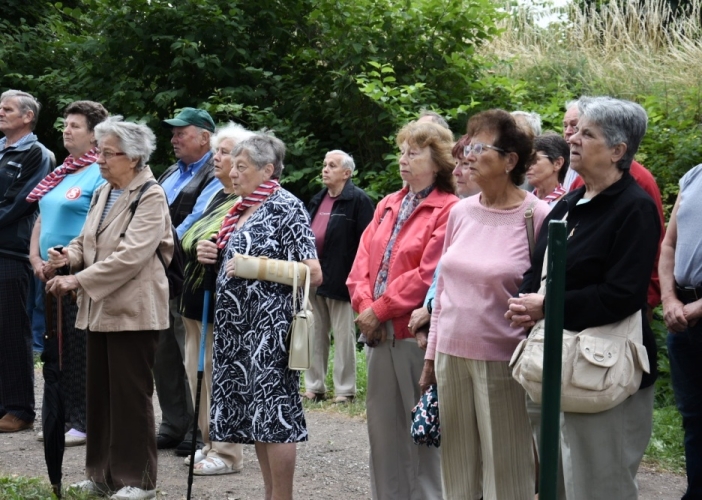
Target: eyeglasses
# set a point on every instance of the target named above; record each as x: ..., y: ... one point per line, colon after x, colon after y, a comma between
x: 478, y: 149
x: 109, y: 154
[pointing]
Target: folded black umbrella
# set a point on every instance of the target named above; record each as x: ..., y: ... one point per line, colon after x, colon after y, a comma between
x: 53, y: 419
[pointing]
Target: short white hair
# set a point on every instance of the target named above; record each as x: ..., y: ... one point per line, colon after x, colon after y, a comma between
x: 532, y: 120
x: 346, y: 159
x: 135, y: 139
x: 232, y: 131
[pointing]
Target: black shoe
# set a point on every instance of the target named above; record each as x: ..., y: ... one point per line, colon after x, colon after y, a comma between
x: 164, y: 442
x: 183, y: 449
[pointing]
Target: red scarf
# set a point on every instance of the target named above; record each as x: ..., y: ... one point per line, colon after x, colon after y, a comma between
x: 260, y: 194
x: 52, y: 180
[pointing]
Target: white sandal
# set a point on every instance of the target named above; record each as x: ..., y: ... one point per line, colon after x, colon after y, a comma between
x: 199, y: 457
x: 212, y: 466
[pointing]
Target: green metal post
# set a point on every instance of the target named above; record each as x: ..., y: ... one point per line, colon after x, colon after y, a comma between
x: 551, y: 398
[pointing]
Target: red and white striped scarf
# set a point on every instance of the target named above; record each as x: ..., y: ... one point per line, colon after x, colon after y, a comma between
x: 52, y: 180
x: 260, y: 194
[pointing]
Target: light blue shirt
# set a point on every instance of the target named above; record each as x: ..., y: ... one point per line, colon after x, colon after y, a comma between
x: 64, y: 208
x: 175, y: 183
x: 431, y: 293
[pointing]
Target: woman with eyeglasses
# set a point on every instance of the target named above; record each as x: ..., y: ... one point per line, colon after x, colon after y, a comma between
x: 391, y: 274
x: 548, y: 170
x: 64, y: 198
x: 486, y: 445
x: 123, y: 304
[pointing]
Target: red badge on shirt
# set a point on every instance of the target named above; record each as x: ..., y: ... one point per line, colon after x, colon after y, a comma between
x: 73, y: 193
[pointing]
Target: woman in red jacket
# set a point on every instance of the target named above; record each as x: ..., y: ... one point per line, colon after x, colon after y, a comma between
x: 390, y: 277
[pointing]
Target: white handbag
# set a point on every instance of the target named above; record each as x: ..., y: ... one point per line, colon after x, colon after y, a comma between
x: 301, y: 334
x: 601, y: 366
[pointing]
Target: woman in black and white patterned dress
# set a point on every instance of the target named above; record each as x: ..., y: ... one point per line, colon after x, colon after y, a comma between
x: 255, y: 398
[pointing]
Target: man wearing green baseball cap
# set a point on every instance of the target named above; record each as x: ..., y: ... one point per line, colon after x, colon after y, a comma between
x: 189, y: 184
x: 191, y: 116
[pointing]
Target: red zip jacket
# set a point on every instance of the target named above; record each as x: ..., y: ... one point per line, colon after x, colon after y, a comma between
x: 414, y: 258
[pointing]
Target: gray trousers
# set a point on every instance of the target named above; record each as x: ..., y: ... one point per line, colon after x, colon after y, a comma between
x: 601, y: 452
x: 400, y: 470
x: 171, y: 382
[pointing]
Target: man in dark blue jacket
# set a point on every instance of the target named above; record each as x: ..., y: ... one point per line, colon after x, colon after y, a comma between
x: 340, y: 214
x: 24, y: 161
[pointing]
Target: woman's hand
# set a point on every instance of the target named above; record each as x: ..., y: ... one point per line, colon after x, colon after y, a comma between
x: 61, y: 285
x: 422, y: 337
x: 368, y: 322
x: 230, y: 267
x: 674, y: 315
x: 48, y: 271
x: 38, y: 266
x: 419, y: 317
x: 207, y: 252
x: 58, y: 260
x: 525, y: 310
x: 374, y: 338
x: 428, y: 376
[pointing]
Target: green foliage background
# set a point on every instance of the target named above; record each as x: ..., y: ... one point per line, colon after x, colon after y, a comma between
x: 346, y: 74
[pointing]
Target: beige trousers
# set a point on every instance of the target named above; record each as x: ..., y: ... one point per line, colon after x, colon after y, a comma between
x: 486, y: 441
x: 230, y: 453
x: 400, y: 470
x: 337, y: 316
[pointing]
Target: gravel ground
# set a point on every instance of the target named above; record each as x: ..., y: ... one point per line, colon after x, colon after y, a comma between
x: 333, y: 464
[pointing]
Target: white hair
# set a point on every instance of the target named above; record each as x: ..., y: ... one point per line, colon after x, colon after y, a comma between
x: 135, y: 139
x: 346, y: 159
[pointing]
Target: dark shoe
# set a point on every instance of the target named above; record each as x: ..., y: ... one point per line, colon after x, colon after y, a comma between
x: 183, y: 449
x: 10, y: 423
x: 164, y: 442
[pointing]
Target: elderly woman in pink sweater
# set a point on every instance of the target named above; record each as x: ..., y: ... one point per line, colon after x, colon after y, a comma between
x: 487, y: 445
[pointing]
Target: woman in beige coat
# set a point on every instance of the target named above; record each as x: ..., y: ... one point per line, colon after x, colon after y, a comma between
x: 123, y: 304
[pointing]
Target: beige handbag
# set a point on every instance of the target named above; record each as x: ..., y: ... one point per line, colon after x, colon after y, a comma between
x: 601, y: 366
x: 265, y: 269
x: 301, y: 334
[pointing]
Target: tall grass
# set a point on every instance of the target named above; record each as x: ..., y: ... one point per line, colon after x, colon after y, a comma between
x: 622, y: 48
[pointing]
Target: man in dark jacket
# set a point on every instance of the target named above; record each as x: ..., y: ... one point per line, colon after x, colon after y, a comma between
x: 24, y: 161
x: 189, y: 184
x: 340, y: 214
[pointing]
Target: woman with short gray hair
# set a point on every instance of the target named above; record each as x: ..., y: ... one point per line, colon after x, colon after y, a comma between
x: 613, y: 232
x: 123, y: 304
x: 255, y: 397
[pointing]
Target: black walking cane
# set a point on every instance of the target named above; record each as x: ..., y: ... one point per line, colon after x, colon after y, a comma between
x: 208, y: 285
x: 53, y: 419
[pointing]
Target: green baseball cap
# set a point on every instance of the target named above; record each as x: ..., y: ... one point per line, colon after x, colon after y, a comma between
x: 191, y: 116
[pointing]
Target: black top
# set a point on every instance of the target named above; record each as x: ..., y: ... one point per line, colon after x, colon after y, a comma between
x: 351, y: 213
x: 184, y: 202
x: 611, y: 250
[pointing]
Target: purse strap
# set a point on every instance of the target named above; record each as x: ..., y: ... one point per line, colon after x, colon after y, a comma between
x: 306, y: 295
x: 529, y: 219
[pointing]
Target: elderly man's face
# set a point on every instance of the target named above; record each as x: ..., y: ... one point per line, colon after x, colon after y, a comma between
x: 189, y: 143
x: 11, y: 118
x: 334, y: 175
x: 570, y: 121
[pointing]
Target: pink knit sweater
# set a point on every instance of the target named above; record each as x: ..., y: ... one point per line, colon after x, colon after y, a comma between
x: 485, y: 254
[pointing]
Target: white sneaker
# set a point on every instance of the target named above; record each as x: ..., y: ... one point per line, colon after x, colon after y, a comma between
x: 73, y: 440
x: 132, y: 493
x: 88, y: 486
x: 40, y: 436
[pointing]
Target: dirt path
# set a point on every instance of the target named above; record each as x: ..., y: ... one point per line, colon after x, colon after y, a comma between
x: 333, y: 464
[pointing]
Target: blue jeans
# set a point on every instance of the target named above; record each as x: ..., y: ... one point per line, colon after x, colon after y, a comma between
x: 685, y: 353
x: 35, y: 309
